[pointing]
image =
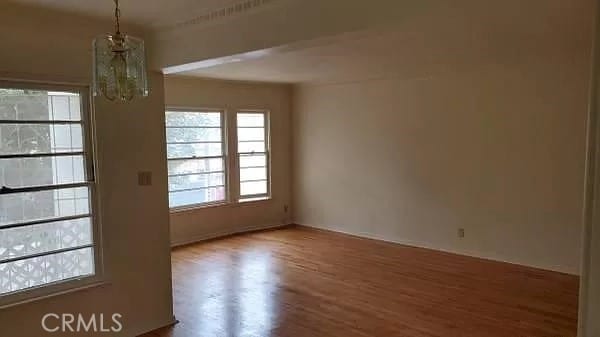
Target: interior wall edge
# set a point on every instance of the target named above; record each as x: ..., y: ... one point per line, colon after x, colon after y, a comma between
x: 588, y: 293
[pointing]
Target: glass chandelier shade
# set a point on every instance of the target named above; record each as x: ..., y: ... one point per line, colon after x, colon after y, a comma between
x: 119, y: 65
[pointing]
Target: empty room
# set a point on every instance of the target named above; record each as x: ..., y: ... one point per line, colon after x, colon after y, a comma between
x: 274, y: 168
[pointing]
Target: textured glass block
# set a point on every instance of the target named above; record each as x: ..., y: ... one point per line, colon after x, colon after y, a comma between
x: 31, y: 272
x: 24, y: 241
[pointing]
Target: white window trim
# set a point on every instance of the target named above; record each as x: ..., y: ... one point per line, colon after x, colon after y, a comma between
x: 232, y: 174
x: 88, y: 129
x: 225, y: 156
x: 267, y: 129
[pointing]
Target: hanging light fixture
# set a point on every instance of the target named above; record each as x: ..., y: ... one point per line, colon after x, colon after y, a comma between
x: 119, y: 65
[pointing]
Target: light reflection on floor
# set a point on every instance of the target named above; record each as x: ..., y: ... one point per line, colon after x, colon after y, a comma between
x: 232, y: 298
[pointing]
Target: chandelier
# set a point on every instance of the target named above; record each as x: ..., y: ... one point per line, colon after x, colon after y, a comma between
x: 119, y: 65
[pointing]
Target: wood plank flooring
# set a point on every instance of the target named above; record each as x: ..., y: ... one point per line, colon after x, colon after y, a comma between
x: 300, y: 282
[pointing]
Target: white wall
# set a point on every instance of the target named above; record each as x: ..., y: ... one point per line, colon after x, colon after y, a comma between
x: 193, y: 225
x: 497, y: 149
x: 130, y: 138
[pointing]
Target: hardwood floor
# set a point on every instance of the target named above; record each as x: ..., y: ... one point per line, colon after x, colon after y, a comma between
x: 300, y: 282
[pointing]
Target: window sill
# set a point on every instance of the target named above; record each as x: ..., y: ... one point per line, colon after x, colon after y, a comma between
x: 251, y: 200
x: 183, y: 209
x: 192, y: 208
x: 51, y: 290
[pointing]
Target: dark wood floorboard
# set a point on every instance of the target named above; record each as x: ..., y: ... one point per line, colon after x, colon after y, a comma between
x: 300, y: 282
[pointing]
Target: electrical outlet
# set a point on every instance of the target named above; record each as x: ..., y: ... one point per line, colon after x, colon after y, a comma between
x: 144, y: 178
x: 461, y: 232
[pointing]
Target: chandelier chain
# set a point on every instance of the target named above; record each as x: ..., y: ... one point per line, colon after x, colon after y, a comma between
x: 117, y: 16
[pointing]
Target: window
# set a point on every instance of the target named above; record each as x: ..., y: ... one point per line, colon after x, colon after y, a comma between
x: 196, y: 158
x: 47, y: 227
x: 253, y: 152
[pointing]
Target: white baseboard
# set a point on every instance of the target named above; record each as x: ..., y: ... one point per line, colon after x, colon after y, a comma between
x: 214, y: 235
x: 479, y: 255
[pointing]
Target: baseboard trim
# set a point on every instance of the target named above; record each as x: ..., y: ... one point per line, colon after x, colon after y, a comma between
x: 422, y: 245
x: 226, y: 233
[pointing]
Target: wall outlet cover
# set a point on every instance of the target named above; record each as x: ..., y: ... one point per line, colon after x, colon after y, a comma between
x: 145, y: 178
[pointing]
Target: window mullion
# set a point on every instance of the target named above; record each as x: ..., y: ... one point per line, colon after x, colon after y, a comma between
x: 40, y: 122
x: 6, y: 190
x: 50, y: 252
x: 44, y: 221
x: 41, y: 155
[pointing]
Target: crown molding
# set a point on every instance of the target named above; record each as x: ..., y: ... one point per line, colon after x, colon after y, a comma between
x: 212, y: 16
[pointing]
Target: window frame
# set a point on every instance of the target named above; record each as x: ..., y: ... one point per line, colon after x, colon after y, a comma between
x: 267, y: 131
x: 88, y: 153
x: 225, y: 156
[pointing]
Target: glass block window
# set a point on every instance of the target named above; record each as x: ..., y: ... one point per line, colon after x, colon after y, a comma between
x: 46, y: 181
x: 253, y: 154
x: 196, y: 158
